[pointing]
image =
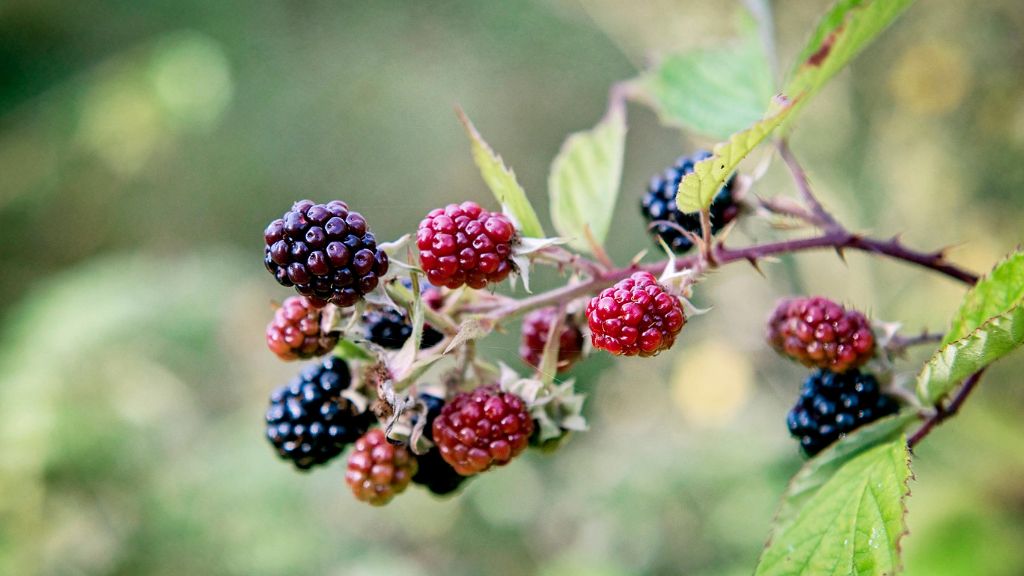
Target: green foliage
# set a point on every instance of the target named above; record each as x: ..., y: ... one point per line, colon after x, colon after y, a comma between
x: 994, y: 294
x: 848, y: 28
x: 716, y: 91
x: 988, y: 325
x: 502, y: 182
x: 698, y: 188
x: 584, y: 180
x: 851, y: 524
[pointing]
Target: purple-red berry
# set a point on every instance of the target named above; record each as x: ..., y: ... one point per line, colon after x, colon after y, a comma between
x: 820, y: 333
x: 463, y: 244
x: 483, y: 428
x: 297, y: 331
x: 537, y: 326
x: 325, y: 251
x: 635, y: 317
x: 378, y: 470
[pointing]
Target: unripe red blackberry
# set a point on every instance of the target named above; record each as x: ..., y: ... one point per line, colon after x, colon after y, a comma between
x: 635, y: 317
x: 309, y: 422
x: 378, y: 470
x: 482, y: 428
x: 434, y: 473
x: 325, y: 251
x: 463, y: 244
x: 536, y: 326
x: 297, y: 331
x: 659, y: 209
x: 820, y: 333
x: 832, y: 405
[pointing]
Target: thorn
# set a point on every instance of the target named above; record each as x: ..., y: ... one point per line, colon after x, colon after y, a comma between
x: 840, y: 251
x: 753, y: 262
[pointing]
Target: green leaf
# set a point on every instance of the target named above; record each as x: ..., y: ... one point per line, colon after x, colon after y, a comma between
x: 848, y: 28
x: 996, y: 293
x: 851, y: 524
x: 995, y: 338
x: 585, y: 178
x: 822, y: 467
x: 351, y: 351
x: 502, y: 182
x: 715, y: 91
x: 698, y: 188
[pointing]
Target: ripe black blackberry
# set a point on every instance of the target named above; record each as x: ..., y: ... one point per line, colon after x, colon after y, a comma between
x: 308, y: 420
x: 325, y: 251
x: 659, y: 209
x: 434, y: 473
x: 831, y: 405
x: 389, y: 328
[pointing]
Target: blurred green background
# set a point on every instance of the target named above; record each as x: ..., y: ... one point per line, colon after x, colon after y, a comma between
x: 144, y: 144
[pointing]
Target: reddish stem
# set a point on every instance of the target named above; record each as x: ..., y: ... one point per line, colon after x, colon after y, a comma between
x: 942, y: 413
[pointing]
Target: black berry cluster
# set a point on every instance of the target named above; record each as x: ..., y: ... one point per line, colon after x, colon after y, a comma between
x: 666, y: 221
x: 832, y: 405
x: 325, y: 251
x: 434, y: 473
x: 389, y: 328
x: 308, y: 421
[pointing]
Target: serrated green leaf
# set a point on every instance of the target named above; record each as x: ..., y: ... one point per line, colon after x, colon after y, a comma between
x: 698, y: 188
x: 502, y: 182
x: 995, y: 338
x: 818, y: 470
x: 716, y: 91
x: 584, y: 180
x: 848, y: 28
x: 996, y: 293
x: 851, y: 524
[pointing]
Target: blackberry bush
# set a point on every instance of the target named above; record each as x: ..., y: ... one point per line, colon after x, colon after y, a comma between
x: 325, y: 251
x: 667, y: 221
x: 309, y: 422
x: 832, y: 405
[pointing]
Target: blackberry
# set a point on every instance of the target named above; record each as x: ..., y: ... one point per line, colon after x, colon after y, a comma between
x: 434, y: 473
x: 325, y: 251
x: 635, y: 317
x: 821, y: 334
x: 659, y: 209
x: 463, y: 244
x: 378, y: 470
x: 297, y: 331
x: 536, y: 326
x: 481, y: 429
x: 388, y: 328
x: 832, y: 405
x: 308, y: 421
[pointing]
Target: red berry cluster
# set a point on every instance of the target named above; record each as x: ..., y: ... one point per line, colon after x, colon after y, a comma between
x: 463, y: 244
x: 297, y: 331
x: 378, y: 470
x: 537, y: 326
x: 482, y: 428
x: 635, y: 317
x: 821, y: 334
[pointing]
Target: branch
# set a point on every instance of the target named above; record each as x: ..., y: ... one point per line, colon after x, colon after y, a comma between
x: 803, y: 185
x: 943, y: 413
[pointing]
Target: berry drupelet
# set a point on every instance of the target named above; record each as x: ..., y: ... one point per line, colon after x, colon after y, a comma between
x: 481, y: 429
x: 832, y: 405
x: 821, y: 334
x: 378, y: 470
x: 434, y: 473
x: 659, y: 209
x: 308, y: 421
x: 297, y: 331
x: 463, y: 244
x: 536, y: 326
x: 325, y: 251
x: 388, y: 328
x: 635, y: 317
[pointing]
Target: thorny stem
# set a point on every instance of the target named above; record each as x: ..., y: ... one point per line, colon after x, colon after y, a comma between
x: 803, y: 185
x: 899, y: 343
x: 943, y: 413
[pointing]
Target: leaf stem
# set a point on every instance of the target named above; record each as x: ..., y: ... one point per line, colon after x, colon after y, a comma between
x: 943, y: 413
